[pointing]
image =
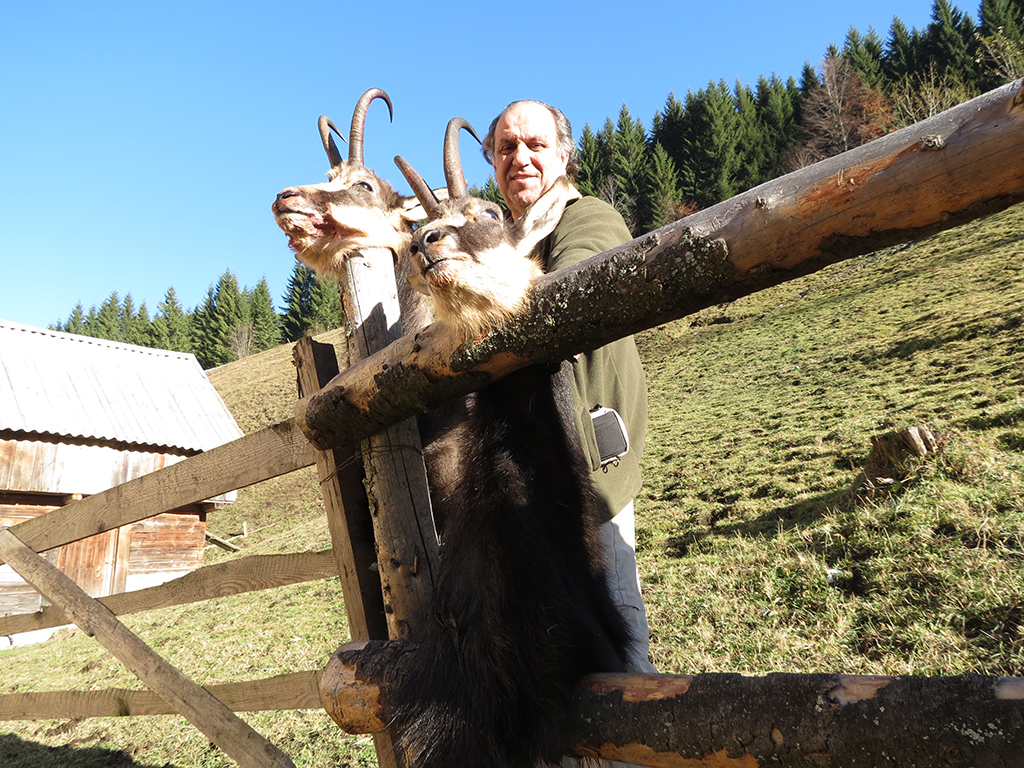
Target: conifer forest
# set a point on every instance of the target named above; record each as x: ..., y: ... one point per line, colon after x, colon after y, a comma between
x: 698, y: 150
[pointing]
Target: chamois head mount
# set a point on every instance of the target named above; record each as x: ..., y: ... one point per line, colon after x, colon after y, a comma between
x: 477, y: 265
x: 353, y: 210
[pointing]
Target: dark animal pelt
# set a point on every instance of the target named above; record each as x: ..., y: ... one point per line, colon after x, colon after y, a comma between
x: 521, y: 610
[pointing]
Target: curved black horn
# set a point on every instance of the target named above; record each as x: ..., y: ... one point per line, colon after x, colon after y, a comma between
x: 452, y: 161
x: 326, y: 126
x: 355, y: 135
x: 420, y: 188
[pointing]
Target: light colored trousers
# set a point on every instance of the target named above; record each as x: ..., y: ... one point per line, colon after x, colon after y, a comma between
x: 618, y: 537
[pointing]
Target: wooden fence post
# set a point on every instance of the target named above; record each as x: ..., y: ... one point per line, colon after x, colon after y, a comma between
x: 222, y: 726
x: 396, y: 480
x: 397, y: 533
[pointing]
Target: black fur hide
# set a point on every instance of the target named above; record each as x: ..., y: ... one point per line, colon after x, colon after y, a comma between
x: 521, y: 610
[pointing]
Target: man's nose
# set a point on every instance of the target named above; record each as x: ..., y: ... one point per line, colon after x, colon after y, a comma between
x: 521, y: 156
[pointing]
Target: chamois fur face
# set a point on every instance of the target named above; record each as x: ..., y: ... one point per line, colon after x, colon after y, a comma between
x: 355, y: 209
x: 478, y: 266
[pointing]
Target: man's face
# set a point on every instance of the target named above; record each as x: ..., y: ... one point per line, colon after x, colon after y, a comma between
x: 526, y: 156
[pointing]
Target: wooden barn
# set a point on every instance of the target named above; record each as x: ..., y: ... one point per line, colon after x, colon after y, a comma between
x: 79, y: 415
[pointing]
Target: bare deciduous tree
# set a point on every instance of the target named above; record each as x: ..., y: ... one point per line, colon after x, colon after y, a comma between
x: 839, y: 113
x: 917, y: 97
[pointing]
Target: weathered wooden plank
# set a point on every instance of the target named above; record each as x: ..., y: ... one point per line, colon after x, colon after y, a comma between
x: 274, y: 450
x: 936, y: 174
x: 347, y: 508
x: 295, y: 690
x: 196, y: 704
x: 733, y: 721
x: 247, y: 574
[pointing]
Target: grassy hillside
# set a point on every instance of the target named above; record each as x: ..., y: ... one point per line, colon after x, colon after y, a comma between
x: 770, y: 539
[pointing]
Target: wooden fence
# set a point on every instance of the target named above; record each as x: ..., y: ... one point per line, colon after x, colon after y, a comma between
x: 337, y: 410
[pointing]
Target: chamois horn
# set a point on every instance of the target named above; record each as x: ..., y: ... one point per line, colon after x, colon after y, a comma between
x: 420, y: 188
x: 355, y: 135
x: 326, y: 127
x: 452, y: 161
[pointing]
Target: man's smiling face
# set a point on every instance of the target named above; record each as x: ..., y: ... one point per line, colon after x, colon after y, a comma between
x: 527, y: 159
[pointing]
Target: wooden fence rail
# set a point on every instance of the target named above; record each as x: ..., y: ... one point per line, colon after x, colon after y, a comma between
x: 247, y: 574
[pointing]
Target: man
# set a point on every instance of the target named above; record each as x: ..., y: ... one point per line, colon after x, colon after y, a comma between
x: 530, y: 145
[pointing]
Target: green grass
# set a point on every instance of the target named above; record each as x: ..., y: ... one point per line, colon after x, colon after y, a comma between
x: 769, y: 538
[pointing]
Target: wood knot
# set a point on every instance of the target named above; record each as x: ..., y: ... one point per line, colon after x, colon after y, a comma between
x: 932, y: 142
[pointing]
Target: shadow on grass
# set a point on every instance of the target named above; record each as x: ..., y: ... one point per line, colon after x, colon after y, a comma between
x: 16, y: 752
x: 781, y: 519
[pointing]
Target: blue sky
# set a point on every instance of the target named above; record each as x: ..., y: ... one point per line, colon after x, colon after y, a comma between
x: 141, y: 144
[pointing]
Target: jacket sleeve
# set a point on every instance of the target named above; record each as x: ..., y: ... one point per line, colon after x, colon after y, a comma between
x: 612, y: 375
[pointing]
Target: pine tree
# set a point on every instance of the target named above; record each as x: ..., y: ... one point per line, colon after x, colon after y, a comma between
x: 950, y: 43
x: 108, y: 319
x: 753, y: 151
x: 134, y: 323
x: 144, y: 327
x: 864, y: 52
x: 669, y: 129
x: 710, y: 160
x: 75, y: 322
x: 325, y: 311
x: 904, y: 52
x: 629, y: 169
x: 227, y: 322
x: 662, y: 190
x: 265, y: 322
x: 594, y: 161
x: 808, y: 79
x: 207, y: 343
x: 489, y: 191
x: 92, y: 322
x: 295, y: 320
x: 778, y: 107
x: 171, y: 325
x: 1005, y: 15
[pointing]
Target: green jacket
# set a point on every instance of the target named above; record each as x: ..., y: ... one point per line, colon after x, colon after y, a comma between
x: 612, y: 375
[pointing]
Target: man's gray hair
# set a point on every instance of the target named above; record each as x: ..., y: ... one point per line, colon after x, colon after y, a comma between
x: 563, y: 134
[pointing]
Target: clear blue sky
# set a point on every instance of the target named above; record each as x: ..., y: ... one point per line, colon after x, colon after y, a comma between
x: 141, y: 144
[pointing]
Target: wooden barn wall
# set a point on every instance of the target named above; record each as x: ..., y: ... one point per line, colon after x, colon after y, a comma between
x: 135, y: 556
x: 168, y: 545
x: 49, y: 467
x: 39, y: 466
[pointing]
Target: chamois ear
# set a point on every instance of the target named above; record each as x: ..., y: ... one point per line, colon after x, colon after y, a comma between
x: 543, y: 216
x: 413, y: 210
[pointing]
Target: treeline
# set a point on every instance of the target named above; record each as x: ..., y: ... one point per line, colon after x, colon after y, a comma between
x: 707, y: 147
x: 722, y: 140
x: 229, y: 324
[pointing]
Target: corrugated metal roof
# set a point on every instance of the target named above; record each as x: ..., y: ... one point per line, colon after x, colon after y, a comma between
x: 76, y: 386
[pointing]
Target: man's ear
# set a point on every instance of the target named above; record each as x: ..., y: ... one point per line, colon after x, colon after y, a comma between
x: 412, y: 209
x: 541, y: 218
